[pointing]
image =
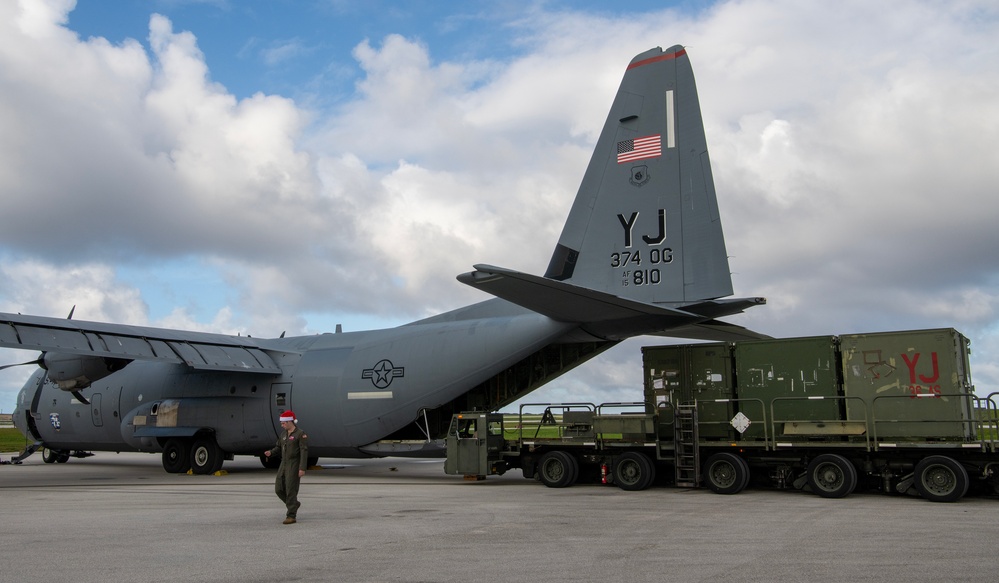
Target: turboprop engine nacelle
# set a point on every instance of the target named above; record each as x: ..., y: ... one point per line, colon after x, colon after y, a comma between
x: 71, y: 372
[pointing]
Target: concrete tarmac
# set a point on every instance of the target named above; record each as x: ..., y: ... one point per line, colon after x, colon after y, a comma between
x: 120, y: 517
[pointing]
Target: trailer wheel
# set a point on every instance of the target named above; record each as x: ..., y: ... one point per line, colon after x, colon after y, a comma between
x: 941, y: 479
x: 726, y: 473
x: 831, y: 475
x: 634, y: 471
x: 745, y: 471
x: 176, y: 456
x: 557, y: 469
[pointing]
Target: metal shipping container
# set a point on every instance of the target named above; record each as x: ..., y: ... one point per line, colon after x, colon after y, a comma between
x: 915, y: 385
x: 693, y: 373
x: 785, y: 377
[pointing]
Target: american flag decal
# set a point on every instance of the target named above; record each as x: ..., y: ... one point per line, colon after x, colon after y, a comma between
x: 639, y: 149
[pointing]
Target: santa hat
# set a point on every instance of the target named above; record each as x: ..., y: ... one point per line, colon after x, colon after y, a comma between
x: 287, y: 416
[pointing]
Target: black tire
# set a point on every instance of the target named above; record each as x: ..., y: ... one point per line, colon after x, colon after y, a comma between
x: 634, y: 471
x: 726, y: 473
x: 49, y: 455
x: 745, y: 473
x: 939, y: 478
x: 206, y: 456
x: 831, y: 475
x: 271, y: 462
x: 62, y: 456
x: 176, y: 456
x: 311, y: 461
x: 557, y: 469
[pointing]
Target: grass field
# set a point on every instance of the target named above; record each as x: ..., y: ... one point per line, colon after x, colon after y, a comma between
x: 11, y: 440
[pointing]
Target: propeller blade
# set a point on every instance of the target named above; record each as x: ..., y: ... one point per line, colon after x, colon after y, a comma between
x: 37, y: 361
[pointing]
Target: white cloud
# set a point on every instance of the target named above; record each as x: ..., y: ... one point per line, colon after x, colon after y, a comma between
x: 284, y: 51
x: 32, y: 286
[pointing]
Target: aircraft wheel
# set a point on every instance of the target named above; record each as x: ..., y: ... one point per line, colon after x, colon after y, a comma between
x: 206, y: 456
x: 941, y: 479
x: 62, y: 456
x: 726, y: 473
x: 176, y: 456
x: 634, y: 471
x: 49, y: 456
x: 831, y: 475
x: 557, y: 469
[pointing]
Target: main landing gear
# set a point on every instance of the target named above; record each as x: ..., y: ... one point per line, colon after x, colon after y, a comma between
x: 201, y: 455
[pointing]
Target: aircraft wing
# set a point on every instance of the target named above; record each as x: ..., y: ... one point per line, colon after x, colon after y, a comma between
x: 606, y: 315
x: 199, y: 350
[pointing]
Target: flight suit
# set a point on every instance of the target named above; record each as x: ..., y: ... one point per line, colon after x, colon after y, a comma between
x: 294, y: 450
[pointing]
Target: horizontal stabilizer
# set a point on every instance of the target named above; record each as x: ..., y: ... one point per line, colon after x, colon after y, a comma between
x: 723, y: 307
x: 601, y: 314
x: 714, y: 331
x: 559, y: 300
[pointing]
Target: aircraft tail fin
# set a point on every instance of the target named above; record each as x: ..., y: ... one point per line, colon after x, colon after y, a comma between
x: 643, y: 242
x: 645, y: 222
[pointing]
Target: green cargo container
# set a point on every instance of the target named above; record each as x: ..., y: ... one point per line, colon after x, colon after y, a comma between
x: 784, y: 377
x: 700, y: 373
x: 915, y: 385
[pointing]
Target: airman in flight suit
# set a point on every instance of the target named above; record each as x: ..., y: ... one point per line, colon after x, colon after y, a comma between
x: 293, y: 445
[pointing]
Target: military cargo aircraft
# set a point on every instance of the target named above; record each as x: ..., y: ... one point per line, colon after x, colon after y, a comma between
x: 642, y: 252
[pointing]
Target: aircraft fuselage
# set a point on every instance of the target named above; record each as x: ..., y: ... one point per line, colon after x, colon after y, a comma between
x: 347, y: 389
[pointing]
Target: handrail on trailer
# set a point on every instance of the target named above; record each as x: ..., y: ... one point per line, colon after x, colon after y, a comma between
x: 548, y: 407
x: 668, y: 406
x: 986, y: 425
x: 601, y: 436
x: 973, y: 424
x: 621, y: 405
x: 985, y: 421
x: 766, y: 434
x: 554, y: 414
x: 774, y: 420
x: 989, y: 417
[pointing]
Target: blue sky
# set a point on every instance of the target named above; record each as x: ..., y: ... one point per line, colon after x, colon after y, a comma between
x: 302, y: 49
x: 265, y: 167
x: 293, y: 48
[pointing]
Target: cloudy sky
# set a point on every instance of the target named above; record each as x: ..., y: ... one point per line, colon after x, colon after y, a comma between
x: 262, y: 167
